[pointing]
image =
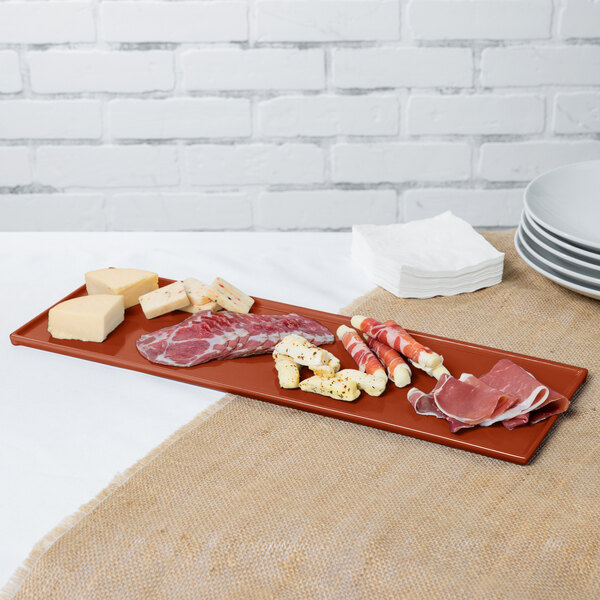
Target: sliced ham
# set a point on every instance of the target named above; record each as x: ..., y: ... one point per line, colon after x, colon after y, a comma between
x: 506, y: 394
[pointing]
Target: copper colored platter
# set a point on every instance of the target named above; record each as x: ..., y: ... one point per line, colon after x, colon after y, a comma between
x: 255, y: 377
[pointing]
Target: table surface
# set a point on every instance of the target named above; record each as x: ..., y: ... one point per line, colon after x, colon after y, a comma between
x: 68, y: 426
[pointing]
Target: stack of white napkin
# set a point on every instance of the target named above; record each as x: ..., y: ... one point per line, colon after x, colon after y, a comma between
x: 441, y: 256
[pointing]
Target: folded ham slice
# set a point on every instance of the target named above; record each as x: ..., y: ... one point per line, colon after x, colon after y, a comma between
x: 506, y: 394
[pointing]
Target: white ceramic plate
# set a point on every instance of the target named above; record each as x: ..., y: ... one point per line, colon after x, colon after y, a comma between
x: 553, y: 275
x: 541, y: 247
x: 580, y: 276
x: 566, y: 201
x: 557, y: 244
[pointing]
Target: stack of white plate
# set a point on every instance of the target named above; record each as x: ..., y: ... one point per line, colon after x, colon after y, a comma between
x: 559, y: 232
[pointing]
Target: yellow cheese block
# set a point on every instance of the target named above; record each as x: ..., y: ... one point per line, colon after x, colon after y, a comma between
x: 194, y: 308
x: 229, y: 297
x: 129, y: 283
x: 164, y: 300
x: 87, y: 318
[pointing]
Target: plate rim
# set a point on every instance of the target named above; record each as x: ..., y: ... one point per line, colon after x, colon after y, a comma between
x: 549, y: 263
x: 572, y: 238
x: 564, y: 283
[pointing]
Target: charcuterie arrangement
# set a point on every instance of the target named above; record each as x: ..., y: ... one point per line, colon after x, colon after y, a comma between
x: 221, y: 327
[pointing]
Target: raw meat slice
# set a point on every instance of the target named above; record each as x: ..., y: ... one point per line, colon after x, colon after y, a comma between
x: 555, y: 404
x: 424, y: 404
x: 209, y: 336
x: 507, y: 394
x: 470, y: 401
x: 507, y: 376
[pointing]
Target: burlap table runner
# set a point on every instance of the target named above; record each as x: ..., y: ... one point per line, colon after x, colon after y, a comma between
x: 260, y: 501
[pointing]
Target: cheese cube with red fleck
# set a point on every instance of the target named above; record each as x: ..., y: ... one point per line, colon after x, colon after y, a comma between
x: 164, y: 300
x: 229, y: 297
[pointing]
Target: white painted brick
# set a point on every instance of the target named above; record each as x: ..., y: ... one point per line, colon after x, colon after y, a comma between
x: 541, y: 65
x: 178, y: 212
x: 476, y: 114
x: 522, y: 161
x: 480, y: 19
x: 325, y: 209
x: 255, y: 69
x: 58, y: 71
x: 52, y: 212
x: 48, y: 119
x: 255, y: 163
x: 579, y: 19
x: 399, y: 162
x: 179, y: 118
x: 328, y: 115
x: 46, y: 22
x: 107, y: 166
x: 190, y: 21
x: 10, y: 75
x: 327, y: 20
x: 481, y: 208
x: 577, y: 113
x: 402, y: 67
x: 14, y: 166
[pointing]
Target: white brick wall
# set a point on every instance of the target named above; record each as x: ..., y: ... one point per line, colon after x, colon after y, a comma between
x: 295, y: 114
x: 10, y: 73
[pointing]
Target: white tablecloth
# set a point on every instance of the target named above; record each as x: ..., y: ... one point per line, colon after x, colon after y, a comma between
x: 67, y: 426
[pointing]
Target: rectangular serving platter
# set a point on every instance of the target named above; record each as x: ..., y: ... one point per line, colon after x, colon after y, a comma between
x: 256, y: 377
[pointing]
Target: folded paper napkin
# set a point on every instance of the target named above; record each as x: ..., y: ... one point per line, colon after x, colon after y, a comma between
x: 440, y: 256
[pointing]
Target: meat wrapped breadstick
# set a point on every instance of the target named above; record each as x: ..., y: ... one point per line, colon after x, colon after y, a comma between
x: 396, y: 337
x: 361, y: 353
x: 397, y: 369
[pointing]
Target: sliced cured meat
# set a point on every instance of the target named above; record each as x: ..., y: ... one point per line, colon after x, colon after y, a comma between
x: 398, y: 371
x: 424, y: 404
x: 507, y: 376
x: 468, y: 400
x: 555, y: 404
x: 506, y: 394
x: 361, y: 353
x: 207, y: 336
x: 396, y: 337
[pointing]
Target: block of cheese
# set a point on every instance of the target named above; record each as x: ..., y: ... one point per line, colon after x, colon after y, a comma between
x: 194, y: 308
x: 163, y: 300
x: 302, y: 351
x: 288, y: 371
x: 196, y: 291
x: 229, y: 297
x: 87, y: 318
x: 129, y: 283
x: 373, y: 385
x: 334, y: 387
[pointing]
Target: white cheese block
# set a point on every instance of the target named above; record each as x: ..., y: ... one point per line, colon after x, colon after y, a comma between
x: 373, y: 385
x: 196, y: 291
x: 194, y: 308
x: 287, y: 371
x: 164, y: 300
x: 338, y: 388
x: 229, y: 297
x: 87, y: 318
x: 301, y: 351
x: 129, y: 283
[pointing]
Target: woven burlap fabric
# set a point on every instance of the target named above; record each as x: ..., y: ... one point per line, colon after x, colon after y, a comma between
x: 260, y: 501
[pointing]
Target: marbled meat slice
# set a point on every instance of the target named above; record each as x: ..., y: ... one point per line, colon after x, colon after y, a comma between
x: 209, y: 336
